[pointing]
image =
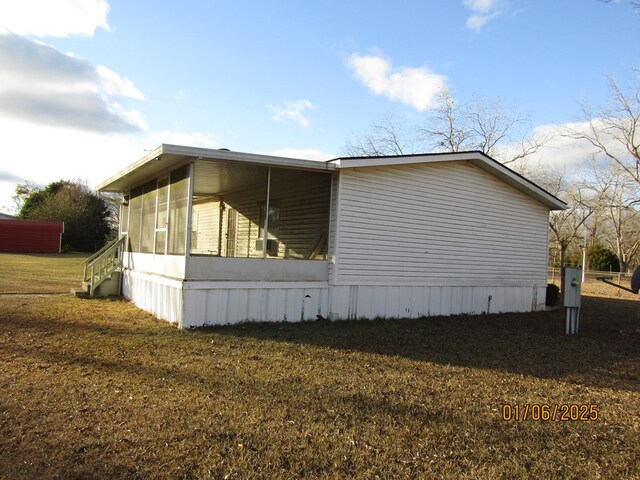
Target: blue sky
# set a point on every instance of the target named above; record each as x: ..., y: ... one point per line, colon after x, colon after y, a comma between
x: 83, y: 92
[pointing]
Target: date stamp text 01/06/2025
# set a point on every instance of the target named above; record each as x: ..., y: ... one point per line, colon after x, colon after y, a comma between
x: 541, y: 412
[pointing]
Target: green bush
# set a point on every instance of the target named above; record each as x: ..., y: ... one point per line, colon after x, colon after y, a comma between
x: 602, y: 259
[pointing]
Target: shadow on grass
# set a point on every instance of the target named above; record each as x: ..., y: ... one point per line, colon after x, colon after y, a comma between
x: 605, y: 353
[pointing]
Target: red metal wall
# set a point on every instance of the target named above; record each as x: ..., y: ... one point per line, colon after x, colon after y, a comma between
x: 30, y: 236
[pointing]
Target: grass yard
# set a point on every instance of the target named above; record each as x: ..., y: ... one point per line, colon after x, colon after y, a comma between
x: 99, y: 389
x: 40, y: 272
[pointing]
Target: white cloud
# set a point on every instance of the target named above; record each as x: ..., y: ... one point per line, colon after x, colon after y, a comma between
x: 303, y: 153
x: 481, y: 6
x: 560, y: 153
x: 417, y: 87
x: 42, y: 85
x: 476, y: 22
x: 561, y: 150
x: 293, y: 111
x: 482, y: 12
x: 7, y: 176
x: 571, y: 151
x: 43, y: 154
x: 197, y: 139
x: 54, y: 18
x: 114, y: 84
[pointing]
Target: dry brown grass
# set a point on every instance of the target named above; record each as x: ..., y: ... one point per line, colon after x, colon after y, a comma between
x: 40, y: 272
x: 99, y: 389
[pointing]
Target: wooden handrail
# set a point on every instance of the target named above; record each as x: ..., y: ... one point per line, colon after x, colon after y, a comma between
x: 102, y: 250
x: 103, y: 263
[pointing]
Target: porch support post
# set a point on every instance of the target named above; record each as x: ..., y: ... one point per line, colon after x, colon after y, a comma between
x: 187, y: 247
x: 266, y: 215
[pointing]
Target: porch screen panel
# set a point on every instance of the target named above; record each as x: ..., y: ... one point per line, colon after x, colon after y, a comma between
x: 148, y: 217
x: 124, y: 215
x: 162, y: 215
x: 205, y: 227
x: 135, y: 219
x: 245, y: 192
x: 163, y: 194
x: 178, y: 210
x: 299, y: 208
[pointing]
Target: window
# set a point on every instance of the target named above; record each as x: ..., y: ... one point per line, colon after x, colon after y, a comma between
x: 135, y: 217
x: 162, y: 216
x: 157, y: 220
x: 148, y: 217
x: 178, y: 210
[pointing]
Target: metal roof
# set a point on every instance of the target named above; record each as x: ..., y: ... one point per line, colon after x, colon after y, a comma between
x: 169, y: 157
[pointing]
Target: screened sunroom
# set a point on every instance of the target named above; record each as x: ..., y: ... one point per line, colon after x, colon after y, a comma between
x: 213, y: 209
x: 201, y: 219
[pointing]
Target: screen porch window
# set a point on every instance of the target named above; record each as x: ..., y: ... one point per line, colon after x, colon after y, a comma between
x: 148, y: 217
x: 162, y: 216
x: 157, y: 215
x: 178, y: 211
x: 135, y: 216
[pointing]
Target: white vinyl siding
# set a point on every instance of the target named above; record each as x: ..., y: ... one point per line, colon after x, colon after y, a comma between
x: 205, y: 227
x: 438, y: 224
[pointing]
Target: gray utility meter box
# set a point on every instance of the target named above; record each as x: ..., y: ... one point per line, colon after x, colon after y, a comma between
x: 572, y: 287
x: 571, y: 297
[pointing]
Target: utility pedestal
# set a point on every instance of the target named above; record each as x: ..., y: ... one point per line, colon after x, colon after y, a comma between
x: 571, y: 299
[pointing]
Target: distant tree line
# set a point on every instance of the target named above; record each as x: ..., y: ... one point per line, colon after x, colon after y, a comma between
x: 89, y: 219
x: 604, y: 196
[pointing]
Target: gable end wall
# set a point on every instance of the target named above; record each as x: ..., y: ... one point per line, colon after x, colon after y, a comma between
x: 438, y: 224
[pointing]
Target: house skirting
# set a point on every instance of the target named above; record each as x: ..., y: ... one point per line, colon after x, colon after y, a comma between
x: 156, y: 294
x: 401, y: 301
x: 219, y: 303
x: 192, y: 304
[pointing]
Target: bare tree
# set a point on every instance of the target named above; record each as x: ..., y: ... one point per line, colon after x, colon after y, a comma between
x: 480, y: 125
x: 614, y: 129
x: 23, y: 191
x: 484, y: 125
x: 444, y: 128
x: 567, y: 226
x: 617, y: 196
x: 390, y: 136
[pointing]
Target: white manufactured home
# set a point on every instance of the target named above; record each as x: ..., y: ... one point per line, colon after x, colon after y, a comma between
x: 215, y: 237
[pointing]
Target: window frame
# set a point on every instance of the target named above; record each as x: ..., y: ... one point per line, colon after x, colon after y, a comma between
x: 165, y: 228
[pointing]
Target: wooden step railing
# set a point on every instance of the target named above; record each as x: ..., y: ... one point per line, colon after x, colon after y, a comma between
x: 99, y: 266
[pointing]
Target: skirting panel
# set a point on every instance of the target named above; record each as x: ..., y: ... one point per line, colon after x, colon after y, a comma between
x: 358, y: 301
x: 158, y: 295
x: 271, y: 301
x: 199, y: 303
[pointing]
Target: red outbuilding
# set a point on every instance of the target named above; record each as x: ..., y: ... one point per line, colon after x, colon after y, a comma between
x: 31, y: 236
